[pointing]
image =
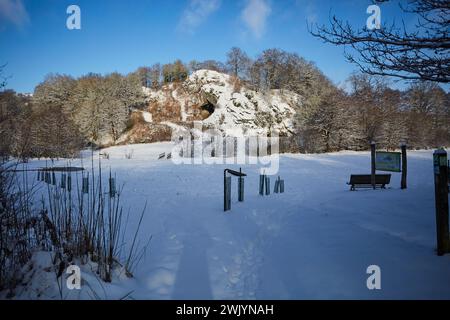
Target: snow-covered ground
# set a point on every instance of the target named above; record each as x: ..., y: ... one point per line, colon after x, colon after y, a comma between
x: 314, y: 241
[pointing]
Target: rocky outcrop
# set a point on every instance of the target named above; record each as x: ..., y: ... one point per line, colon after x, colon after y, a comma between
x: 221, y: 102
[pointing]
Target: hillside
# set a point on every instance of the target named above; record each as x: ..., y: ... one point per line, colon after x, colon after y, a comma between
x: 218, y: 100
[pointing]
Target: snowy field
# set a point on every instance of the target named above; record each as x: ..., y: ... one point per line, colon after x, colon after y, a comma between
x: 315, y: 241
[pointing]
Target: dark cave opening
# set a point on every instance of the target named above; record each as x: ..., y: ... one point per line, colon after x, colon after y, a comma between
x: 207, y: 109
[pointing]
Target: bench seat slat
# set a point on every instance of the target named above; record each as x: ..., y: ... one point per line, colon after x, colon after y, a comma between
x: 365, y: 180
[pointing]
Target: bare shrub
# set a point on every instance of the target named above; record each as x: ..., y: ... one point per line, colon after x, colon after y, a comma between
x: 81, y: 222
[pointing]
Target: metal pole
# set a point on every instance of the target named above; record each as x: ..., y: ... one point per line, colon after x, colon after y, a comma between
x: 226, y: 191
x: 240, y: 187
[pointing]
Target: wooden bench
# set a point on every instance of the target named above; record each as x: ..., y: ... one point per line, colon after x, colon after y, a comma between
x: 365, y: 181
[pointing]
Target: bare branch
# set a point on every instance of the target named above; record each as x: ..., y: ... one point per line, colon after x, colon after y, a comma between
x: 422, y: 54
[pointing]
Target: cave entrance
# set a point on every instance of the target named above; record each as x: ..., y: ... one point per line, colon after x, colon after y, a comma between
x: 207, y: 109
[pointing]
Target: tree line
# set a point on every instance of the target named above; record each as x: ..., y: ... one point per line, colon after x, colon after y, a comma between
x: 370, y: 110
x: 65, y: 114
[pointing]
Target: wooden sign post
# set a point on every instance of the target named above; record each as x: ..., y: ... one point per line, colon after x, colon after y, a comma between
x: 404, y: 166
x: 389, y: 161
x: 441, y: 201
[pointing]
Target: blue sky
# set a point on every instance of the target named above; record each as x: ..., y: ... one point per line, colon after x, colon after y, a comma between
x: 118, y: 35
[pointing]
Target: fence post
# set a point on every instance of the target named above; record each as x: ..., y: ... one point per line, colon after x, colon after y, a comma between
x: 404, y: 166
x: 441, y: 200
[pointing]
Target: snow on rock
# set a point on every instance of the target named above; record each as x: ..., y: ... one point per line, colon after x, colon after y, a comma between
x: 237, y: 109
x: 147, y: 116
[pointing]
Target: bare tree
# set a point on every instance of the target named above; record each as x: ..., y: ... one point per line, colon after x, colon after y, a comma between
x: 143, y: 73
x: 392, y: 50
x: 180, y: 71
x: 12, y: 116
x: 237, y: 62
x: 366, y: 98
x: 56, y: 90
x: 155, y: 76
x: 212, y: 65
x: 427, y: 115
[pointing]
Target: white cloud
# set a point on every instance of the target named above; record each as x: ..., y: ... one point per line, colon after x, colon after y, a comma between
x: 310, y: 10
x: 255, y: 16
x: 13, y: 11
x: 196, y: 12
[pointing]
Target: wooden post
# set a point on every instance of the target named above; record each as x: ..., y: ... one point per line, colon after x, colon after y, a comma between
x: 441, y: 200
x: 373, y: 171
x: 404, y: 166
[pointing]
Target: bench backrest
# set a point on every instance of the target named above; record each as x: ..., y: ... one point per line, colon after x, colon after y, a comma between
x: 367, y: 179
